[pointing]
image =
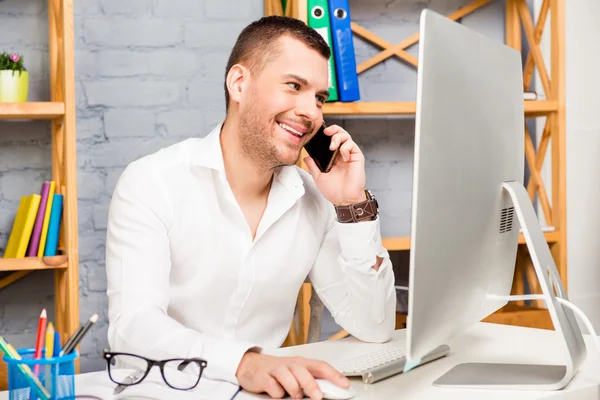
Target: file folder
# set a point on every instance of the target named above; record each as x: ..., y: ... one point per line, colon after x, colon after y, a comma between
x: 318, y: 19
x: 343, y: 51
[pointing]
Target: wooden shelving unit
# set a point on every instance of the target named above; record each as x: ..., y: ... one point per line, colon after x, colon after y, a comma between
x: 518, y: 19
x: 60, y: 112
x: 533, y: 108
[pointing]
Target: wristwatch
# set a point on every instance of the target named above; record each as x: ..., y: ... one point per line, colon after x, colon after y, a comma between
x: 363, y: 211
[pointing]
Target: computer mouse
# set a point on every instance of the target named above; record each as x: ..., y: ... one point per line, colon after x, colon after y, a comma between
x: 331, y: 391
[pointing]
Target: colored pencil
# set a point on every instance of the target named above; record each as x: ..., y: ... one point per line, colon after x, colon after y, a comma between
x: 70, y: 340
x: 77, y: 339
x: 49, y: 340
x: 39, y: 342
x: 49, y: 345
x: 57, y: 346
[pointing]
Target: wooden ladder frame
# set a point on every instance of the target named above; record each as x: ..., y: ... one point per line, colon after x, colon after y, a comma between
x: 61, y: 112
x: 518, y: 17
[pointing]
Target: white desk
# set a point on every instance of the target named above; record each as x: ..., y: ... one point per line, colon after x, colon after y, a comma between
x: 484, y: 342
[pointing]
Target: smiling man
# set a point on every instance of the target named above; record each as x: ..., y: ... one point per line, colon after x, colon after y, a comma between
x: 209, y: 240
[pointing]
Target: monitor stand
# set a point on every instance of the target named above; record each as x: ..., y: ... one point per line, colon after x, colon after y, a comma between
x: 529, y: 376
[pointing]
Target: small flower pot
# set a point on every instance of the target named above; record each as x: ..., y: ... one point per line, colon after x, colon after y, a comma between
x: 14, y: 86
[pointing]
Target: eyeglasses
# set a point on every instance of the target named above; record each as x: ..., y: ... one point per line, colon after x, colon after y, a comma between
x: 178, y: 373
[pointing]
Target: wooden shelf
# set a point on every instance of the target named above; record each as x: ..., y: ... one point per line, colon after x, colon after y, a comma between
x: 32, y: 110
x: 403, y: 242
x: 33, y: 263
x: 365, y: 108
x: 370, y: 108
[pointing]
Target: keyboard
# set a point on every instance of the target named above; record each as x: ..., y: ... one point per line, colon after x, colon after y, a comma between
x: 383, y: 363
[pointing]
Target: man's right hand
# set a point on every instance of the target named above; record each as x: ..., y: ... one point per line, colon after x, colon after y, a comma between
x: 258, y: 373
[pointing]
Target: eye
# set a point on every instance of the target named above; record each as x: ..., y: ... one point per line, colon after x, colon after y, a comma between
x: 321, y: 99
x: 294, y: 85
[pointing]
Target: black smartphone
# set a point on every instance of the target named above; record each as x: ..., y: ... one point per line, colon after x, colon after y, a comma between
x: 318, y: 148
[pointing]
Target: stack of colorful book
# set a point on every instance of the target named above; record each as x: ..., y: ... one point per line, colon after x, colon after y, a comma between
x: 36, y: 227
x: 331, y: 18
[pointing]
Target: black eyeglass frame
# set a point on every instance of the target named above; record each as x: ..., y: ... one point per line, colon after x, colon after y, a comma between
x: 108, y: 355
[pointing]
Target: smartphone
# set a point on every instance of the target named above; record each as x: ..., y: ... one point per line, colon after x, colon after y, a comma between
x: 318, y: 148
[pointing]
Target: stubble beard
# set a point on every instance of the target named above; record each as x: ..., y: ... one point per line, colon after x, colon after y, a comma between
x: 256, y: 140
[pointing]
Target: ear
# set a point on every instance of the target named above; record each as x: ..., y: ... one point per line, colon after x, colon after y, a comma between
x: 237, y: 80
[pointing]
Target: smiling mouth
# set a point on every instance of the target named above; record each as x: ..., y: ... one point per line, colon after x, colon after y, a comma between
x: 290, y: 129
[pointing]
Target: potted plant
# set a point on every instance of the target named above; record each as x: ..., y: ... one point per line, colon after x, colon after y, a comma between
x: 14, y: 78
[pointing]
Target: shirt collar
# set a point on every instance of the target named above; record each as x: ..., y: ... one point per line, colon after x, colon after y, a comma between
x: 209, y: 154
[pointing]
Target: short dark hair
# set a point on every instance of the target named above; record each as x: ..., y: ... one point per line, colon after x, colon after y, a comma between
x: 257, y: 42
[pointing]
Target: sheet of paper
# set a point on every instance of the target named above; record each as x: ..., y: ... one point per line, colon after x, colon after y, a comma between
x: 98, y: 385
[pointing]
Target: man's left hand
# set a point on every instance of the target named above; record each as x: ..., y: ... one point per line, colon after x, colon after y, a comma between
x: 345, y: 183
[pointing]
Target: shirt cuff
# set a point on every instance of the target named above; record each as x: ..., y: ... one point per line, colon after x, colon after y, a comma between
x: 223, y: 358
x: 360, y: 242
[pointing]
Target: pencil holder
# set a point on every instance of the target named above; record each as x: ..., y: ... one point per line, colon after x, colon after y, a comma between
x: 55, y: 376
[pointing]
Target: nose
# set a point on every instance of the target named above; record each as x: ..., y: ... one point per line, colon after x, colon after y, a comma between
x: 306, y: 107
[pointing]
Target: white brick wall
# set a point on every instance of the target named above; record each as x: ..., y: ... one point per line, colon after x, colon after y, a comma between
x: 149, y: 73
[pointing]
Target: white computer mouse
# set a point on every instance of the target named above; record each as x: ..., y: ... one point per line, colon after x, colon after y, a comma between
x: 331, y: 391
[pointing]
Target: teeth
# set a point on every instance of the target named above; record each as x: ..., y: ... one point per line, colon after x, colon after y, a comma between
x: 290, y: 129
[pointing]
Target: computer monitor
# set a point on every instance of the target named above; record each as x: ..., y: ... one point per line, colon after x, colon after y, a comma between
x: 469, y: 203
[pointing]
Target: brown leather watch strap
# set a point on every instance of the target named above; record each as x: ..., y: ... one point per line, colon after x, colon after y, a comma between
x: 363, y: 211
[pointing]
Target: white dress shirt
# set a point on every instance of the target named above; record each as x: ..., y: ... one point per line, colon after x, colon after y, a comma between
x: 185, y: 278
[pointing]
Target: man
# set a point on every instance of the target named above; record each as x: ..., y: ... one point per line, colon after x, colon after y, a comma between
x: 210, y: 240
